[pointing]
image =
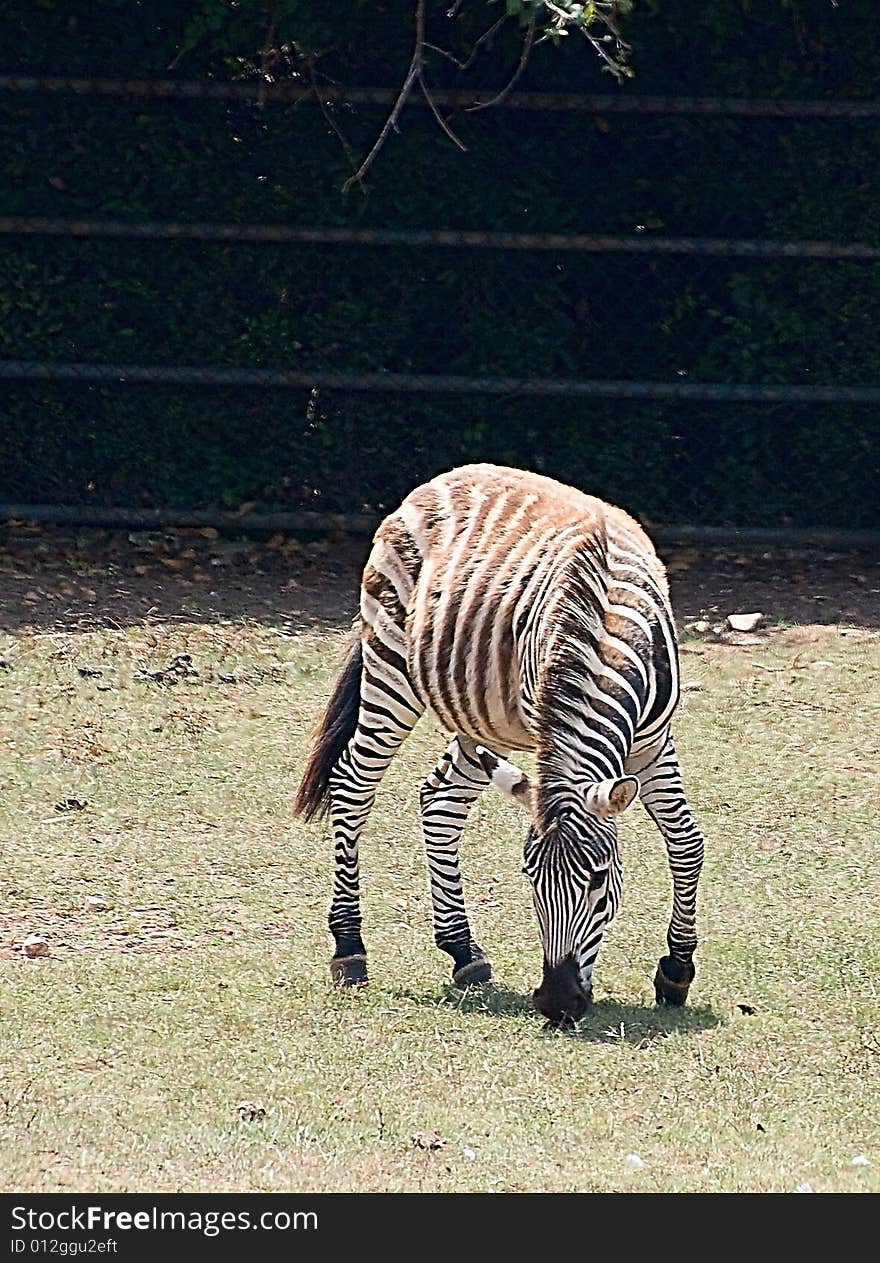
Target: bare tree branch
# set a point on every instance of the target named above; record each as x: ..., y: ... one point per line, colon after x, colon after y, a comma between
x: 484, y: 38
x: 523, y: 62
x: 437, y: 115
x: 475, y: 47
x: 331, y: 121
x: 415, y: 67
x: 444, y: 52
x: 561, y: 20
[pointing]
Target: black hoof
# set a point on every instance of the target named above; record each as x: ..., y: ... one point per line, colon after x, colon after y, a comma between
x: 349, y: 971
x: 471, y: 975
x: 672, y: 989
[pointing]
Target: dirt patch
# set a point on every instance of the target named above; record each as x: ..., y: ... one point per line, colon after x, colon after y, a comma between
x: 68, y: 933
x: 785, y: 585
x: 61, y: 580
x: 54, y: 580
x: 152, y: 930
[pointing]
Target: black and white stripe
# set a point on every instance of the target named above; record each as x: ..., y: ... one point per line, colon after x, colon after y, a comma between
x: 527, y: 616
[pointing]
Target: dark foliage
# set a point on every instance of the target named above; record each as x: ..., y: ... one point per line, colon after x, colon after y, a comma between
x: 436, y: 310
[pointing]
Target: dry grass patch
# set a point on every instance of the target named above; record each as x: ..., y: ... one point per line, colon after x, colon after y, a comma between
x: 203, y: 983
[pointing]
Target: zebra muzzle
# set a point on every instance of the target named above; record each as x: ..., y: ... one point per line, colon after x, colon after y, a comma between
x: 561, y: 998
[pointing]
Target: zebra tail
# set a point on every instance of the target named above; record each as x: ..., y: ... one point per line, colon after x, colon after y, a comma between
x: 336, y: 730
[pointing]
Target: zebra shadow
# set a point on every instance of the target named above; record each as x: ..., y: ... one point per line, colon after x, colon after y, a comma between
x: 606, y: 1021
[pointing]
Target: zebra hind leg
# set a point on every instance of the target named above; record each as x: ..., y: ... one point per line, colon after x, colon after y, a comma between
x: 446, y: 798
x: 388, y: 712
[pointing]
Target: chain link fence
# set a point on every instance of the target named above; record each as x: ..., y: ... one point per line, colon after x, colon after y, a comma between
x: 726, y: 381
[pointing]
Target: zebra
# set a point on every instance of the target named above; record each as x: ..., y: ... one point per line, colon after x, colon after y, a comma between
x: 528, y: 616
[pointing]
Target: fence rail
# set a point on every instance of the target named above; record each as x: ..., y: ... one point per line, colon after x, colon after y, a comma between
x: 436, y: 383
x: 267, y: 90
x: 562, y: 242
x: 660, y: 377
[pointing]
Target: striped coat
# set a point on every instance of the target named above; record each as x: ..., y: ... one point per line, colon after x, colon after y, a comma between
x: 528, y: 616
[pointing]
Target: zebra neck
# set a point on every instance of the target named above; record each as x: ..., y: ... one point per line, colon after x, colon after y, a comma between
x: 586, y: 717
x: 577, y: 751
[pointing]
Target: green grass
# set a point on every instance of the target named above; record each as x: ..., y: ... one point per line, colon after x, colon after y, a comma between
x: 125, y: 1054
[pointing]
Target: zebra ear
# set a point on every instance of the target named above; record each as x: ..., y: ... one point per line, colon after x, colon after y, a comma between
x: 607, y: 799
x: 509, y: 778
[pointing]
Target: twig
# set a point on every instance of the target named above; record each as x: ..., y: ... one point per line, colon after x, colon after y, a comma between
x: 466, y: 65
x: 487, y: 35
x: 444, y: 52
x: 412, y: 75
x: 437, y: 115
x: 564, y: 19
x: 264, y: 62
x: 613, y: 66
x: 523, y: 62
x: 331, y: 121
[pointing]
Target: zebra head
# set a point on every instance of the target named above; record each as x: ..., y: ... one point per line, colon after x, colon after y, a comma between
x: 573, y: 863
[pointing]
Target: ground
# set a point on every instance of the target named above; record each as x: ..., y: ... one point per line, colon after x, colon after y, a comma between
x: 157, y: 692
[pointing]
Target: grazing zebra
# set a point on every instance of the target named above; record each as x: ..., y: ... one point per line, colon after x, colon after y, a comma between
x: 528, y: 616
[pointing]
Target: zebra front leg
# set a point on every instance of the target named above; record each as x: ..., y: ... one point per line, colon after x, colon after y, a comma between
x: 446, y: 798
x: 663, y: 797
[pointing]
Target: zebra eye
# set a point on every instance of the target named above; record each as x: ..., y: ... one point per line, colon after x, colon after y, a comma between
x: 597, y: 879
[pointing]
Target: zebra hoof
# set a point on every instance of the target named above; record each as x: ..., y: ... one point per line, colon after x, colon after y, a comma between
x: 349, y: 971
x: 471, y: 975
x: 671, y: 989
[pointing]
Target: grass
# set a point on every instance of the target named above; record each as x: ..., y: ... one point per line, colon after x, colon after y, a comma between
x: 125, y: 1054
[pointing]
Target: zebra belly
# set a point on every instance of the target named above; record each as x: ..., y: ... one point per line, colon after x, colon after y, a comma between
x: 500, y: 736
x: 471, y: 703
